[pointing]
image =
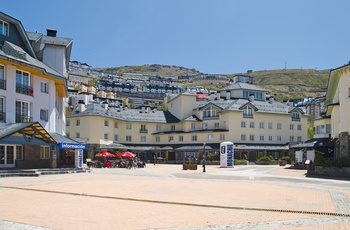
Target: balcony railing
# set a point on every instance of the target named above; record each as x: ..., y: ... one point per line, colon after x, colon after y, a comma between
x: 143, y: 130
x: 295, y: 118
x: 2, y: 117
x: 247, y: 115
x: 23, y: 118
x: 3, y: 84
x: 24, y: 89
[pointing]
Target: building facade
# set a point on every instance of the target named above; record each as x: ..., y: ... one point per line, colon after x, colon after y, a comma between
x: 258, y: 126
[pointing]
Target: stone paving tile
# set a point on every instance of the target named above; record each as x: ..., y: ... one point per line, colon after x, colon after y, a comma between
x: 116, y: 199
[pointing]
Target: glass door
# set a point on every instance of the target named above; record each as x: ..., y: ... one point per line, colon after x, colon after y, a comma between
x: 7, y: 155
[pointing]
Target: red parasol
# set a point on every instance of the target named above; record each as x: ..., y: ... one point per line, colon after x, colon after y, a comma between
x: 105, y: 154
x: 126, y: 154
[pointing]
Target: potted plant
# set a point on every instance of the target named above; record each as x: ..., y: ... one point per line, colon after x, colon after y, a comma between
x: 283, y: 160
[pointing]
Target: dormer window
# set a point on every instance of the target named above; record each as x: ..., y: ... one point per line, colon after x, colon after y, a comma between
x: 4, y: 28
x: 295, y: 116
x: 247, y: 112
x: 256, y: 95
x: 210, y: 112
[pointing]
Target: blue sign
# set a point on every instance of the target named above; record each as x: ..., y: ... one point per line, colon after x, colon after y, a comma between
x: 229, y: 155
x: 190, y: 154
x: 79, y: 158
x: 71, y: 146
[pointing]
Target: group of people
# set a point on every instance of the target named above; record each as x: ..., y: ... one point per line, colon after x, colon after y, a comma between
x: 120, y: 163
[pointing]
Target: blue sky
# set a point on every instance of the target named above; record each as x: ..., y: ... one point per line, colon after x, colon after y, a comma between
x: 212, y: 36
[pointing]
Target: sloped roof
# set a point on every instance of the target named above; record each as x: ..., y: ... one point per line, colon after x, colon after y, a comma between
x: 242, y: 86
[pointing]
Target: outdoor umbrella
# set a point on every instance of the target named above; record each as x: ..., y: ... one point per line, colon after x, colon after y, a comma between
x: 126, y: 154
x: 105, y: 154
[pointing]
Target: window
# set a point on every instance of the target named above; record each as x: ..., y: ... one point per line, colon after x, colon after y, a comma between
x: 270, y: 125
x: 348, y: 92
x: 247, y: 112
x: 77, y: 122
x: 295, y: 116
x: 291, y: 126
x: 194, y: 137
x: 128, y: 138
x: 2, y: 77
x: 279, y: 125
x: 210, y: 137
x: 181, y: 138
x: 23, y: 83
x: 105, y: 136
x: 115, y: 137
x: 299, y: 139
x: 158, y: 128
x: 242, y: 137
x: 4, y: 28
x: 216, y: 125
x: 68, y: 122
x: 43, y: 87
x: 115, y: 125
x: 279, y: 138
x: 261, y: 125
x: 242, y: 124
x: 258, y: 95
x: 19, y: 152
x: 291, y: 138
x: 157, y: 138
x: 143, y: 138
x: 77, y: 135
x: 193, y: 126
x: 328, y: 128
x: 106, y: 123
x: 23, y: 112
x: 210, y: 112
x: 251, y: 125
x: 262, y: 137
x: 252, y: 137
x: 143, y: 129
x: 128, y: 126
x: 44, y: 114
x: 222, y: 137
x: 172, y: 128
x: 204, y: 126
x: 270, y: 137
x: 2, y: 110
x: 171, y: 138
x: 299, y: 127
x: 68, y: 135
x: 44, y: 152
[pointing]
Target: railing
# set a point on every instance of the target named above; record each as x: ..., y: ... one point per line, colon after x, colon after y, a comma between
x: 295, y: 118
x: 247, y: 115
x: 23, y: 118
x: 24, y: 89
x: 3, y: 84
x: 2, y: 117
x: 143, y: 130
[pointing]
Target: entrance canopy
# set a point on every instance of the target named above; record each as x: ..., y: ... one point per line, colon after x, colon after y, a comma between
x: 25, y: 133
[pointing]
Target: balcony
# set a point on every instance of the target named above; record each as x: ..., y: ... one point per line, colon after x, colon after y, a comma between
x: 143, y: 130
x: 295, y: 118
x: 24, y: 89
x: 247, y: 115
x: 3, y: 84
x: 23, y: 119
x: 2, y: 117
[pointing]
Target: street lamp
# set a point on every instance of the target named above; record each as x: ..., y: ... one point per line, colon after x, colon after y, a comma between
x: 204, y: 156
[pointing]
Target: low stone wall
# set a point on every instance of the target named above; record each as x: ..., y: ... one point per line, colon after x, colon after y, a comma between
x: 343, y: 172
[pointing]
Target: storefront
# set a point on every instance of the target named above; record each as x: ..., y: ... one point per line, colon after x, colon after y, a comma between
x: 71, y: 154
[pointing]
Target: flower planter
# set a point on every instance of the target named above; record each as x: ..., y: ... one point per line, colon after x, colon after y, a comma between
x: 189, y: 167
x: 282, y: 163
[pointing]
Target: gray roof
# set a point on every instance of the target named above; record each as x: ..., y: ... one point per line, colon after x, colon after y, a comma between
x: 62, y: 139
x: 17, y: 54
x: 260, y: 106
x: 242, y: 86
x: 128, y: 114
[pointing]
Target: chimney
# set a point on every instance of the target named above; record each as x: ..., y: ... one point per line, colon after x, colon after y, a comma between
x: 105, y: 105
x: 228, y: 95
x: 251, y: 97
x: 51, y: 32
x: 271, y: 99
x: 148, y: 110
x: 81, y: 106
x: 212, y: 96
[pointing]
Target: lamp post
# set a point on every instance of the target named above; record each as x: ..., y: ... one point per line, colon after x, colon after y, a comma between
x: 204, y: 156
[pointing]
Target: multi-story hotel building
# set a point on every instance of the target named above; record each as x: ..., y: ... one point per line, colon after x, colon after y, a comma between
x: 242, y: 114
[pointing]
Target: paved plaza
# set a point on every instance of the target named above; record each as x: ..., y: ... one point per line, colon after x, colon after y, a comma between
x: 167, y: 197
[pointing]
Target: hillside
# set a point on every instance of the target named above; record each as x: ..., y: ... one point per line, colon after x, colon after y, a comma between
x: 284, y: 83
